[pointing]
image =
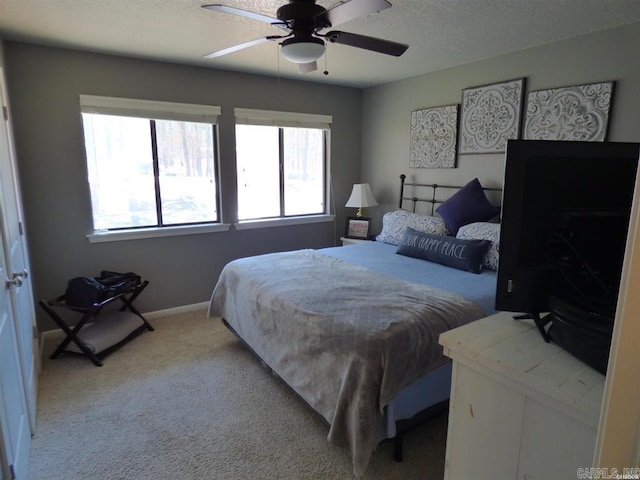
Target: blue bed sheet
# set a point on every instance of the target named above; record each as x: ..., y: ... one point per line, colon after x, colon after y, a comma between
x: 382, y: 257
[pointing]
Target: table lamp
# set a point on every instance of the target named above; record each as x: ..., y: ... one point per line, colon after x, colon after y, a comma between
x: 361, y: 197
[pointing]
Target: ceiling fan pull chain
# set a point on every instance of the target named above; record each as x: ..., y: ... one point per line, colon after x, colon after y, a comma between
x: 326, y: 55
x: 278, y: 60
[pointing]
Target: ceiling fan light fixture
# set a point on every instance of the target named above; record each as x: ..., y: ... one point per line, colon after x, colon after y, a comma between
x: 303, y: 51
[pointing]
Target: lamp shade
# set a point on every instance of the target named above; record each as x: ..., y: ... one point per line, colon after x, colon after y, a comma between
x: 361, y: 196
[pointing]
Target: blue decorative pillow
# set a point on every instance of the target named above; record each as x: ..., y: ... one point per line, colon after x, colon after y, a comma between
x: 450, y: 251
x: 467, y: 205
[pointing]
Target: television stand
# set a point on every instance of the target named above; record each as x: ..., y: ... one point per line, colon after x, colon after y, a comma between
x: 540, y: 323
x: 519, y: 408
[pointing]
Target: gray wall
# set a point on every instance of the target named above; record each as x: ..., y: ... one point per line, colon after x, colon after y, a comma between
x: 604, y: 56
x: 44, y: 84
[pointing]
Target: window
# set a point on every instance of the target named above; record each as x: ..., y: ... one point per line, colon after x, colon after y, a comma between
x: 281, y: 164
x: 150, y: 164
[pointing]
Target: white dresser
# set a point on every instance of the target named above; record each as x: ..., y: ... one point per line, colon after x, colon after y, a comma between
x: 520, y: 408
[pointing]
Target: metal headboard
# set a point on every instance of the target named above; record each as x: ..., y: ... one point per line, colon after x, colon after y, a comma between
x: 434, y: 200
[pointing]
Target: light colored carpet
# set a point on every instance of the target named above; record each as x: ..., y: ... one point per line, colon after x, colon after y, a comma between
x: 188, y: 401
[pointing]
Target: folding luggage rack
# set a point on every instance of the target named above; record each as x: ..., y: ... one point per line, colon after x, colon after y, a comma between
x: 98, y: 333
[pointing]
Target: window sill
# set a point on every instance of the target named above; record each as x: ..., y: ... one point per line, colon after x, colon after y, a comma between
x: 136, y: 234
x: 280, y: 222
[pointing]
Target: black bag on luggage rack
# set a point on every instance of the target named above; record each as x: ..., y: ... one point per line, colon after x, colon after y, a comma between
x: 85, y: 292
x: 584, y: 333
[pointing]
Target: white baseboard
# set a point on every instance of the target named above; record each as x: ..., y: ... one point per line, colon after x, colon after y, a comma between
x: 176, y: 310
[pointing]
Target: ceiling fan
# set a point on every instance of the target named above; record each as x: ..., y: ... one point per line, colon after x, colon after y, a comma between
x: 302, y: 23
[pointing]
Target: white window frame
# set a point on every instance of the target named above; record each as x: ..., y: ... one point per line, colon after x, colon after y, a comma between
x: 159, y: 111
x: 272, y: 118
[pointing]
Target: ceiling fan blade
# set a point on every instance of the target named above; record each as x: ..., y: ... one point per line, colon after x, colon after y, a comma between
x: 240, y: 46
x: 348, y: 10
x: 307, y: 67
x: 243, y: 13
x: 368, y: 43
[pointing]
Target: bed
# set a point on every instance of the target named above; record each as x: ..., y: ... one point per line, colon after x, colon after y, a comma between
x: 354, y: 330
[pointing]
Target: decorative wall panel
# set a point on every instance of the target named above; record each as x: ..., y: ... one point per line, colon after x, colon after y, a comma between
x: 579, y: 113
x: 434, y: 133
x: 490, y: 116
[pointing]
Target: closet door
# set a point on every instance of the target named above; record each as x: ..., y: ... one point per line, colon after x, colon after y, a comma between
x: 15, y: 441
x: 16, y: 260
x: 18, y: 362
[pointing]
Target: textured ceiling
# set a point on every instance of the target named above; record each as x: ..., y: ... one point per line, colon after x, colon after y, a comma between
x: 441, y: 33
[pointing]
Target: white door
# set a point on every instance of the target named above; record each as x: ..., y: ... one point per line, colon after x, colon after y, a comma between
x: 15, y: 441
x: 17, y: 262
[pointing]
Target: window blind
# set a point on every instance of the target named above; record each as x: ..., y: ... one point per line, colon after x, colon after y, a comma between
x: 186, y: 112
x: 248, y: 116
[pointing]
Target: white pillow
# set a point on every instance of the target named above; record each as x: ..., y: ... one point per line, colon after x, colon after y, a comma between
x: 484, y: 231
x: 395, y: 223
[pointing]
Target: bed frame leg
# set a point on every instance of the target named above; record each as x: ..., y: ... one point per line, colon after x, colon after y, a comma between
x: 397, y: 448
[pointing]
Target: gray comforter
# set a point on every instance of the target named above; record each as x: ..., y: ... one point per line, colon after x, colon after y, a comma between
x: 346, y: 338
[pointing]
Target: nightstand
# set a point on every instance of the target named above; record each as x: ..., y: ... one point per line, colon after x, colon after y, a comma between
x: 353, y: 241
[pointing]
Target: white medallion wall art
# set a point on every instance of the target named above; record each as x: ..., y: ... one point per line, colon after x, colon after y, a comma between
x: 490, y: 116
x: 579, y: 113
x: 434, y: 133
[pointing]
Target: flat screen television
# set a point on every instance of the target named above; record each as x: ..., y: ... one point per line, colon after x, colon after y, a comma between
x: 565, y: 216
